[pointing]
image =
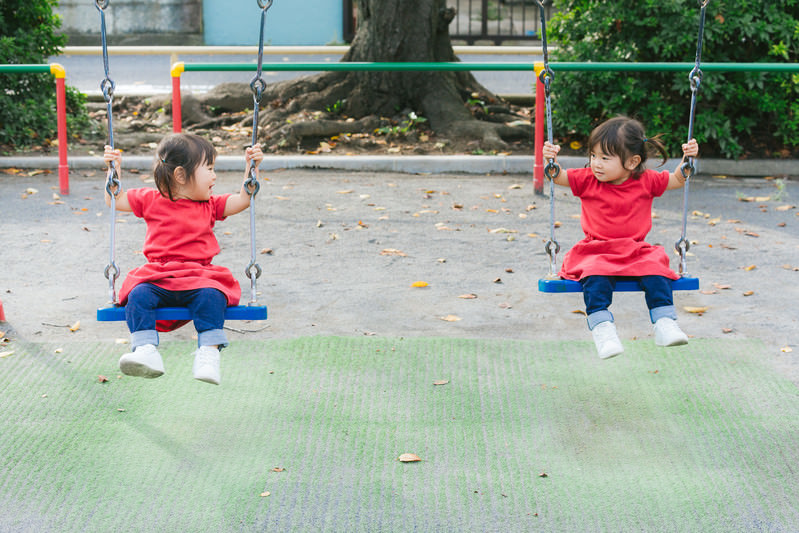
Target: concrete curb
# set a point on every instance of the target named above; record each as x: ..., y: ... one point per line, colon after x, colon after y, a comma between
x: 415, y: 164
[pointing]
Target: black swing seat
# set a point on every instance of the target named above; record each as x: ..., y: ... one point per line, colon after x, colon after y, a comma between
x: 566, y: 285
x: 236, y: 312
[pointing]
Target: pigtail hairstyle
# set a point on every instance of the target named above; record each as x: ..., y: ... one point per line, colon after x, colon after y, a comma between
x: 184, y: 151
x: 625, y: 137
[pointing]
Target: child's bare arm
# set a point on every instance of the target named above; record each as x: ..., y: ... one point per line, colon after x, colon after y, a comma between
x: 550, y: 151
x: 114, y: 157
x: 676, y: 179
x: 236, y: 203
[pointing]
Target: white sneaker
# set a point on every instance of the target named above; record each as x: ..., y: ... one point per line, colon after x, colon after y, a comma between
x: 606, y: 340
x: 206, y: 364
x: 143, y: 362
x: 668, y: 333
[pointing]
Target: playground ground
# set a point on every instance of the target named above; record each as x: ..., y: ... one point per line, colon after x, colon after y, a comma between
x: 495, y: 386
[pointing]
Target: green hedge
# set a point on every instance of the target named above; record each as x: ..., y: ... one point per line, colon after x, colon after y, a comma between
x: 738, y: 114
x: 27, y: 103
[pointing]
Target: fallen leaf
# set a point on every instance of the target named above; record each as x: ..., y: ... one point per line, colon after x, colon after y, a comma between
x: 786, y: 349
x: 75, y: 327
x: 441, y: 382
x: 785, y: 207
x: 265, y: 494
x: 726, y: 330
x: 722, y: 286
x: 543, y: 474
x: 278, y: 469
x: 579, y: 312
x: 102, y: 379
x: 450, y: 318
x: 749, y: 293
x: 393, y: 251
x: 267, y: 251
x: 750, y: 268
x: 409, y: 458
x: 502, y: 230
x: 6, y: 353
x: 696, y: 310
x: 419, y: 284
x: 469, y: 296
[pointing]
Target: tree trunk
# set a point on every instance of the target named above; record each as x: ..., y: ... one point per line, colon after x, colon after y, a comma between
x: 390, y: 31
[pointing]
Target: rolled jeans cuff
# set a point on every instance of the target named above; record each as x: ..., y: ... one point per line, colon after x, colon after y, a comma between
x: 598, y: 317
x: 142, y: 337
x: 667, y: 311
x: 212, y: 337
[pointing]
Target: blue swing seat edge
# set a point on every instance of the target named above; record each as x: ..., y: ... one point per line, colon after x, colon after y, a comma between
x: 566, y: 285
x: 236, y: 312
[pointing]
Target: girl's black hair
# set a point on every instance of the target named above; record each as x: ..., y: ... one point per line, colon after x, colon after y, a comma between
x: 184, y: 150
x: 625, y: 137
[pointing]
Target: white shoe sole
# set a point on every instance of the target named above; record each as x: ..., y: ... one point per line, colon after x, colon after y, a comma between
x: 139, y: 370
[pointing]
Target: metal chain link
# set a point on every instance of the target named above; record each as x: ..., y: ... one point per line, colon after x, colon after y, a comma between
x: 552, y: 169
x: 689, y: 168
x: 112, y: 185
x: 257, y: 85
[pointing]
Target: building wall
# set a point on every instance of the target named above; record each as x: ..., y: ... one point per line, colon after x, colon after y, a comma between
x: 211, y: 22
x: 288, y: 22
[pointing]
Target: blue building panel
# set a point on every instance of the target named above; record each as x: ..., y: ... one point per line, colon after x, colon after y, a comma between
x: 288, y: 22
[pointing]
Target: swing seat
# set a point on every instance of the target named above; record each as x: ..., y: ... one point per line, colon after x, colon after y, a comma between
x: 566, y: 285
x: 236, y: 312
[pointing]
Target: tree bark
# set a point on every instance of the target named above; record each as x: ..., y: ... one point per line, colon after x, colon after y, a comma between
x: 389, y: 31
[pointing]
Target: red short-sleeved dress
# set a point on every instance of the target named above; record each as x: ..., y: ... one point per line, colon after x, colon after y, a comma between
x: 179, y: 245
x: 616, y: 220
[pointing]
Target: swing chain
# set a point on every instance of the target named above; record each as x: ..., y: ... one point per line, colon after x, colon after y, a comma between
x: 688, y: 168
x: 112, y: 185
x: 552, y: 169
x: 251, y: 184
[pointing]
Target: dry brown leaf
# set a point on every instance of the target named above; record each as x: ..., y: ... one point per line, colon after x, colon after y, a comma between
x: 450, y: 318
x: 75, y: 327
x: 786, y: 349
x: 749, y: 293
x: 409, y: 458
x: 726, y: 330
x: 278, y: 469
x: 469, y: 296
x: 785, y: 207
x: 265, y: 494
x: 502, y: 230
x: 696, y: 310
x: 750, y: 268
x: 102, y: 379
x: 579, y: 312
x: 722, y: 286
x: 393, y: 251
x: 441, y: 382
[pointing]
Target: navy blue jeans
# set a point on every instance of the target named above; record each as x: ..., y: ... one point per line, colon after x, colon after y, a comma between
x: 598, y: 295
x: 207, y: 308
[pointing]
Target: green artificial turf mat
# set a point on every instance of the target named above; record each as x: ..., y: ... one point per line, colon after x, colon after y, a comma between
x: 523, y: 436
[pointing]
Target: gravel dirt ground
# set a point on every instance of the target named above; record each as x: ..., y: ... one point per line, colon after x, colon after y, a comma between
x: 340, y: 252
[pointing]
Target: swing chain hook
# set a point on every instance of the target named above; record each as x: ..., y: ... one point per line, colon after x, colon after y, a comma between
x: 101, y: 4
x: 249, y: 270
x: 265, y: 5
x: 682, y: 246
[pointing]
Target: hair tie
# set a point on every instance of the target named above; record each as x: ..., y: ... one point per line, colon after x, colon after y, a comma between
x: 163, y: 160
x: 645, y: 139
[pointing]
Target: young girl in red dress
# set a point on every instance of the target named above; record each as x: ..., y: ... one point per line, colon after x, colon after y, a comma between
x: 179, y: 245
x: 616, y: 193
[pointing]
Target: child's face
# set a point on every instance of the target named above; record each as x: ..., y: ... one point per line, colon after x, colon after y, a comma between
x: 201, y: 187
x: 608, y: 168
